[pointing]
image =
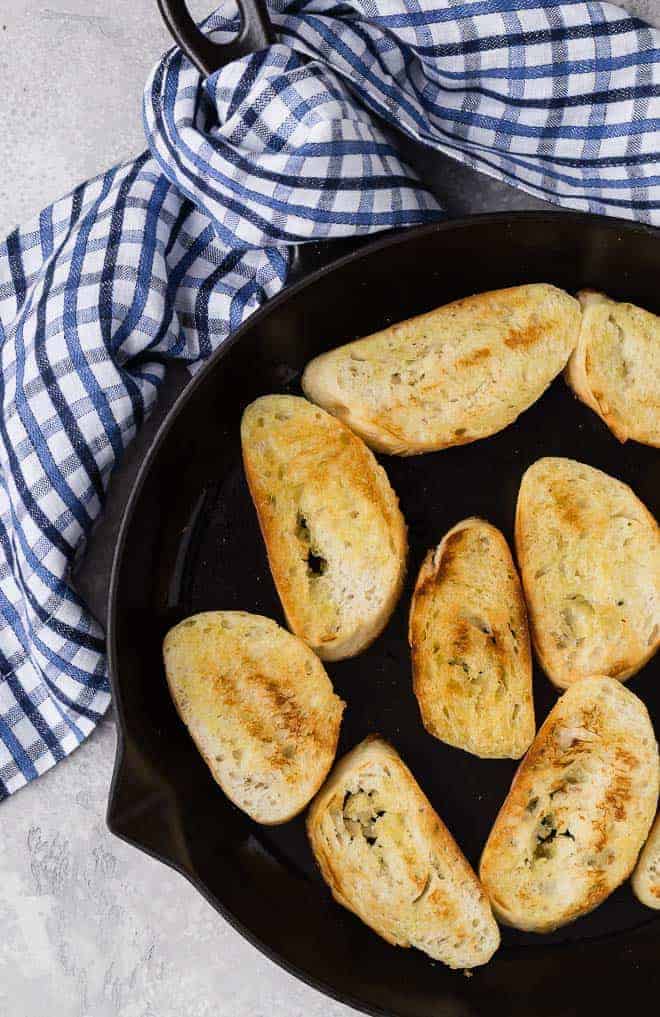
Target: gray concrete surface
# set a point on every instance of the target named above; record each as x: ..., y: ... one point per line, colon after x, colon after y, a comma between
x: 91, y: 927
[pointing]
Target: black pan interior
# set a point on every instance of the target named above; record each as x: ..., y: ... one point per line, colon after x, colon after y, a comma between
x: 190, y: 542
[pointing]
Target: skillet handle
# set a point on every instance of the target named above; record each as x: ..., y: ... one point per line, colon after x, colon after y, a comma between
x: 208, y: 56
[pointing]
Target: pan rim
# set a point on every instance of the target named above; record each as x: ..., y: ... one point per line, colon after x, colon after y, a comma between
x: 379, y: 243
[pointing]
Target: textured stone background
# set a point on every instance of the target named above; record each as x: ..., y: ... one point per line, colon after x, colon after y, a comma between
x: 91, y: 927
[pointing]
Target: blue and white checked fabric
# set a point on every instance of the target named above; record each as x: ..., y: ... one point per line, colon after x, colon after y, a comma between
x: 163, y: 257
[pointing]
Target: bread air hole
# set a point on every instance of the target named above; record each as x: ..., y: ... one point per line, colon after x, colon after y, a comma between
x: 546, y: 836
x: 316, y: 563
x: 360, y: 814
x: 302, y: 529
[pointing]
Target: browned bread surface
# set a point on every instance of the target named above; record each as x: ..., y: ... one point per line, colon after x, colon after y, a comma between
x: 589, y: 557
x: 388, y: 857
x: 472, y: 663
x: 615, y: 367
x: 259, y: 707
x: 646, y: 877
x: 461, y: 372
x: 334, y: 533
x: 578, y: 812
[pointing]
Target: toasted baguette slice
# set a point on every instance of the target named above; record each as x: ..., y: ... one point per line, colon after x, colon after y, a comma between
x: 472, y: 663
x: 579, y: 809
x: 335, y: 536
x: 615, y: 367
x: 646, y: 877
x: 589, y: 555
x: 448, y: 377
x: 259, y: 706
x: 390, y: 859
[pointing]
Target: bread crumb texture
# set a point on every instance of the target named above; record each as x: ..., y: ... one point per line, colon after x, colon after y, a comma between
x: 589, y: 555
x: 578, y: 812
x: 459, y: 373
x: 259, y: 706
x: 389, y: 858
x: 646, y: 878
x: 472, y: 664
x: 615, y: 367
x: 334, y: 533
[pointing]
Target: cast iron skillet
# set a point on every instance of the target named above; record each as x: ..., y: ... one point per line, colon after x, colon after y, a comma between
x: 190, y: 542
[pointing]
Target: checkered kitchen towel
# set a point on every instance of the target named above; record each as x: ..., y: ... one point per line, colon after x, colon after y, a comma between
x: 165, y: 256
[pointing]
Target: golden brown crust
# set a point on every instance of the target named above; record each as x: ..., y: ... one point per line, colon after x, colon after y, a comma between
x: 646, y: 877
x: 387, y: 856
x: 469, y: 639
x: 259, y: 707
x: 589, y: 556
x: 579, y: 809
x: 615, y: 367
x: 459, y: 373
x: 334, y: 533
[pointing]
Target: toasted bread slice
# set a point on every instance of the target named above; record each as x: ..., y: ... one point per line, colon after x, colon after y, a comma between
x: 615, y: 367
x: 389, y: 858
x: 259, y: 706
x: 448, y: 377
x: 472, y: 663
x: 646, y: 877
x: 335, y: 536
x: 589, y: 556
x: 579, y: 809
